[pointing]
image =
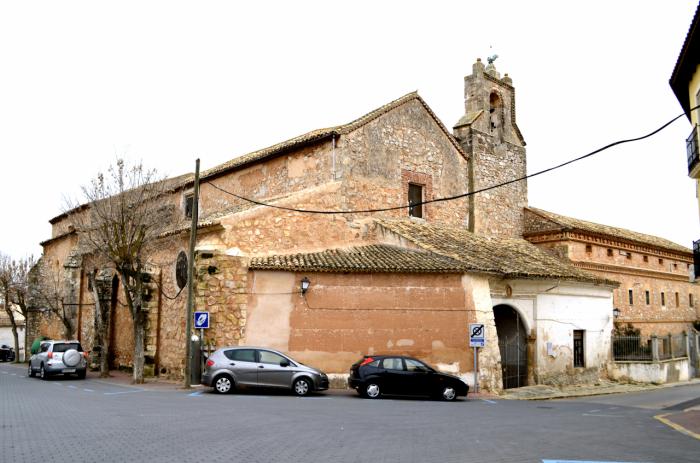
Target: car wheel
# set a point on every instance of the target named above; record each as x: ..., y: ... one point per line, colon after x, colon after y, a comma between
x: 30, y: 372
x: 448, y: 393
x: 372, y: 390
x: 223, y: 384
x: 302, y: 387
x: 42, y: 372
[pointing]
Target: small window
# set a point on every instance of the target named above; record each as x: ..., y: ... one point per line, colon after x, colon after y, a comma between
x: 610, y: 252
x: 189, y: 205
x: 645, y: 258
x: 690, y: 300
x: 415, y: 196
x: 242, y: 355
x: 630, y: 294
x: 393, y: 364
x: 579, y: 360
x: 678, y: 300
x: 589, y: 248
x: 661, y: 262
x: 646, y: 296
x: 629, y: 255
x: 663, y: 298
x: 675, y: 266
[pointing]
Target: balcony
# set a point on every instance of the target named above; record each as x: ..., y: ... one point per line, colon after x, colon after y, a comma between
x: 691, y: 144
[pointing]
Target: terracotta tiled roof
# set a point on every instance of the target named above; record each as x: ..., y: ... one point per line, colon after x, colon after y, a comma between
x: 513, y: 258
x: 380, y: 258
x: 323, y: 134
x: 560, y: 222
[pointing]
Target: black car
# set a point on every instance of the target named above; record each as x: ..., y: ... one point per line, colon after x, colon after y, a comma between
x: 7, y: 353
x: 376, y: 375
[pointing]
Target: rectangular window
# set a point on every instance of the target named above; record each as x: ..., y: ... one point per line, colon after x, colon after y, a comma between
x: 678, y: 300
x: 663, y: 298
x: 646, y: 259
x: 589, y: 248
x: 661, y: 262
x: 579, y: 360
x: 189, y: 205
x: 610, y: 252
x: 646, y: 295
x: 631, y: 297
x: 690, y: 300
x: 629, y: 255
x: 415, y: 196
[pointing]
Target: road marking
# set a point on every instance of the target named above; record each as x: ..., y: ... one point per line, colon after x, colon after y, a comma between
x: 123, y: 392
x: 14, y: 374
x: 676, y: 426
x: 583, y: 461
x: 603, y: 416
x: 489, y: 401
x: 73, y: 387
x: 593, y: 411
x: 88, y: 390
x: 196, y: 394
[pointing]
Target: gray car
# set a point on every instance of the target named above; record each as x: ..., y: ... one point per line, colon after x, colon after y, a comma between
x: 230, y: 367
x: 58, y: 357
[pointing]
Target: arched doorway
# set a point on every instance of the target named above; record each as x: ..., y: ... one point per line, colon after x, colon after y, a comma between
x: 512, y: 344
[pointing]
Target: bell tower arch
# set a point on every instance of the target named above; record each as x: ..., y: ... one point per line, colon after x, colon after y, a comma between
x: 490, y: 136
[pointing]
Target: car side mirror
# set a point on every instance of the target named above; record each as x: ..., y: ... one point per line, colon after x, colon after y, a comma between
x: 284, y: 363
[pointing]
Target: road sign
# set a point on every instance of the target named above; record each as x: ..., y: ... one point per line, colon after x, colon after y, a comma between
x: 477, y: 335
x: 201, y: 320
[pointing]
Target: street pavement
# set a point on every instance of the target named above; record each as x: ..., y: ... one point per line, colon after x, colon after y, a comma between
x: 110, y: 420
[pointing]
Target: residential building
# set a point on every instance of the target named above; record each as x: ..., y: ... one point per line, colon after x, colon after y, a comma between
x: 685, y: 82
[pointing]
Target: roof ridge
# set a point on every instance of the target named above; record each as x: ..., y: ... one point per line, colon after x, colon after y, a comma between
x: 572, y: 223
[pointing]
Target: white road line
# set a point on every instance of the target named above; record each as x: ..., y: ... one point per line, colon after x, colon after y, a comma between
x: 72, y: 387
x: 88, y: 390
x: 489, y: 401
x: 122, y: 392
x: 604, y: 416
x: 14, y: 374
x: 196, y: 394
x: 593, y: 411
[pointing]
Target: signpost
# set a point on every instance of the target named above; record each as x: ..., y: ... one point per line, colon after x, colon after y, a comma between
x: 477, y: 338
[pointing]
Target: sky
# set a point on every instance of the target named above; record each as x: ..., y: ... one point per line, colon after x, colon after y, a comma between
x: 82, y: 83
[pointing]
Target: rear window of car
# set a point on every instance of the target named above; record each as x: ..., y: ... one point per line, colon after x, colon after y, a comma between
x: 242, y: 355
x: 64, y: 346
x: 393, y: 364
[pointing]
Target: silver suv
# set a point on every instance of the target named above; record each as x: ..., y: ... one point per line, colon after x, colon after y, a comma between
x: 58, y: 357
x: 230, y: 367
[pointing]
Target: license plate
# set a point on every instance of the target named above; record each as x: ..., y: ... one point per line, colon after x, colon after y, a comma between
x: 69, y: 370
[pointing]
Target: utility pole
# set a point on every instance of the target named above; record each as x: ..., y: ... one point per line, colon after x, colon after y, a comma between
x: 190, y: 279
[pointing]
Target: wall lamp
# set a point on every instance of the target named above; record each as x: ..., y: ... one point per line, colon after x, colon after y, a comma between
x: 616, y: 312
x: 305, y: 283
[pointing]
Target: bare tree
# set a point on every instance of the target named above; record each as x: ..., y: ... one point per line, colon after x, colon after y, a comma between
x: 127, y: 213
x: 48, y: 294
x: 6, y: 285
x: 20, y: 291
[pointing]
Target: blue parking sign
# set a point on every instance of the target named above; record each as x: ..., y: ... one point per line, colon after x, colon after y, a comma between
x: 201, y: 320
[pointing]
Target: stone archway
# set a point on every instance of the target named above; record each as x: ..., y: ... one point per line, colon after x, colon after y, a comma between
x: 512, y: 344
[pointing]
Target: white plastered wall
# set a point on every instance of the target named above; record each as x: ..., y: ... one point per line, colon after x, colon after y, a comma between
x: 551, y: 311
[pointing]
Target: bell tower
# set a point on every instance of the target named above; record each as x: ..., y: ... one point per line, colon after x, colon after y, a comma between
x: 489, y: 135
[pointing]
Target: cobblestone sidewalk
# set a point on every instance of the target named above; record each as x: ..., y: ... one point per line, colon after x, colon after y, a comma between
x: 542, y: 392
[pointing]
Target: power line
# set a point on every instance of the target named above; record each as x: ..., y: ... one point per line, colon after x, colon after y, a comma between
x: 462, y: 195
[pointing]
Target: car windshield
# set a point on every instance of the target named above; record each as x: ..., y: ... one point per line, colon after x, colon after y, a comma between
x: 64, y: 346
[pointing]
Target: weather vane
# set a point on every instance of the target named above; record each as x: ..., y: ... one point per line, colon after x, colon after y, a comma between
x: 492, y: 58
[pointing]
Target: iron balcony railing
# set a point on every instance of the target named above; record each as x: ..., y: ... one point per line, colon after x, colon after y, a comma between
x: 691, y: 144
